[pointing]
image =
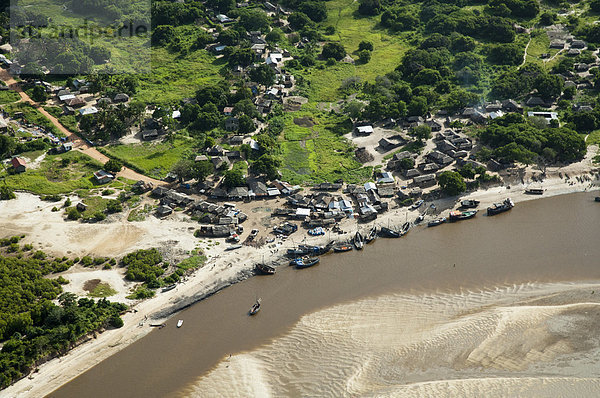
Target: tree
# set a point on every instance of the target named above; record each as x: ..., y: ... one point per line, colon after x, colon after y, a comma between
x: 39, y: 94
x: 163, y: 35
x: 365, y: 45
x: 595, y: 5
x: 364, y: 56
x: 314, y: 10
x: 184, y: 169
x: 266, y: 164
x: 417, y: 106
x: 246, y: 124
x: 452, y: 183
x: 113, y: 165
x: 234, y: 178
x: 422, y: 132
x: 7, y: 145
x: 263, y: 74
x: 114, y: 206
x: 406, y: 163
x: 548, y: 86
x: 353, y: 109
x: 369, y: 7
x: 254, y: 20
x: 274, y: 36
x: 6, y: 193
x: 333, y: 50
x: 203, y: 169
x: 300, y: 21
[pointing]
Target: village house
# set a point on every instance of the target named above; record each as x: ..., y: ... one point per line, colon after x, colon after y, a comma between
x: 103, y: 177
x: 424, y: 180
x: 548, y: 116
x: 364, y: 130
x: 163, y: 211
x: 121, y: 97
x: 439, y: 158
x: 148, y: 135
x: 19, y: 165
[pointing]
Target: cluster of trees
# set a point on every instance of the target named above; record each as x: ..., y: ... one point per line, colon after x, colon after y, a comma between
x: 62, y: 55
x: 32, y: 327
x: 514, y: 138
x: 515, y: 82
x: 143, y: 265
x: 111, y: 122
x: 10, y: 146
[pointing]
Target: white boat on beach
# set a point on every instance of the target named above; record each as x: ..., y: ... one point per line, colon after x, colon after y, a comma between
x: 179, y: 323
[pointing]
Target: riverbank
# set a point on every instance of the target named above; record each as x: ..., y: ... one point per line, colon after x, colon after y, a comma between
x: 222, y: 269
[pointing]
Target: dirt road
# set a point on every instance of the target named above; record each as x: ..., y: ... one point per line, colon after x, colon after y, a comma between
x: 78, y: 142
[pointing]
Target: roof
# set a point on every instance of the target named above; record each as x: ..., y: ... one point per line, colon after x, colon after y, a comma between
x: 365, y: 129
x: 88, y: 111
x: 101, y: 174
x: 302, y: 212
x: 16, y: 162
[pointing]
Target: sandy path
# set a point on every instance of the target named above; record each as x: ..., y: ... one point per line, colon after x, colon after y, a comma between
x: 78, y: 142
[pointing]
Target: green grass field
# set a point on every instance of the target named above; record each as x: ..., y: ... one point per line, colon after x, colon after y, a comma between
x: 57, y: 174
x: 7, y: 97
x: 175, y: 77
x: 350, y: 31
x: 316, y: 154
x: 155, y: 159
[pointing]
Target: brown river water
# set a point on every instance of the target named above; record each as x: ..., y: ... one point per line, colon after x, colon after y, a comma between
x: 506, y: 301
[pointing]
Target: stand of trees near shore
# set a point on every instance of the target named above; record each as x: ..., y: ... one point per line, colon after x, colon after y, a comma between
x: 32, y: 327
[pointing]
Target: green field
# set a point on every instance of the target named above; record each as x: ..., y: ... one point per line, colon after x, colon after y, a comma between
x: 57, y: 174
x: 155, y: 159
x: 316, y: 154
x: 175, y: 77
x: 7, y: 96
x: 350, y: 31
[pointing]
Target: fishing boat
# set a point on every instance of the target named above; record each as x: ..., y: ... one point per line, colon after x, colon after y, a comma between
x: 469, y: 204
x: 597, y: 198
x: 167, y: 288
x: 265, y: 269
x: 417, y: 204
x: 498, y: 208
x: 305, y: 262
x: 372, y: 235
x: 405, y: 228
x: 436, y: 222
x: 342, y: 248
x: 388, y: 233
x: 458, y: 215
x: 534, y: 191
x: 358, y: 241
x: 233, y: 247
x: 179, y: 323
x: 255, y: 307
x: 316, y: 231
x: 420, y: 218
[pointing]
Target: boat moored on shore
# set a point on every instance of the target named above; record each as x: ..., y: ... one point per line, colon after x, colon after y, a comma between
x: 265, y: 269
x: 498, y: 208
x: 534, y: 191
x: 469, y: 204
x: 388, y: 233
x: 342, y: 248
x: 372, y: 235
x: 458, y: 215
x: 358, y: 240
x: 305, y: 262
x: 436, y: 222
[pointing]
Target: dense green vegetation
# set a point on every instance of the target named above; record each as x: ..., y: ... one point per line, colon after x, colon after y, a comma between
x: 32, y: 327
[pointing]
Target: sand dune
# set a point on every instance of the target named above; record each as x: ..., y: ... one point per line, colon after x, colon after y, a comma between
x: 480, y: 343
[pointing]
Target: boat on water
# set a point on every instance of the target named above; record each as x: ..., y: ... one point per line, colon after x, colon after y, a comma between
x: 389, y: 233
x: 265, y: 269
x: 405, y: 228
x: 255, y: 307
x: 458, y: 215
x: 469, y: 204
x: 342, y: 248
x: 372, y: 235
x: 233, y: 247
x: 167, y: 288
x: 305, y: 262
x: 534, y: 191
x: 179, y: 323
x: 597, y: 198
x: 498, y: 208
x: 436, y: 222
x: 358, y: 241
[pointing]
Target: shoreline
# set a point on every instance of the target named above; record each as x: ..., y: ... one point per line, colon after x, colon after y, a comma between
x: 228, y: 268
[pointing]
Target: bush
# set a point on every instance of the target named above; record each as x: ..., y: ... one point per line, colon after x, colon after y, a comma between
x: 73, y: 213
x: 113, y: 165
x: 142, y: 265
x: 114, y: 206
x: 116, y: 322
x: 99, y: 216
x: 333, y: 50
x: 86, y: 261
x: 6, y: 193
x: 107, y: 192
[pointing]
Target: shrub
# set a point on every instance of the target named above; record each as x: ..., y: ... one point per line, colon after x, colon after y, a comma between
x: 116, y: 322
x: 86, y: 261
x: 73, y: 214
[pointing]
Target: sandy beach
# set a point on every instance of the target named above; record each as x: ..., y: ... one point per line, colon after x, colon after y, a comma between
x: 115, y: 237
